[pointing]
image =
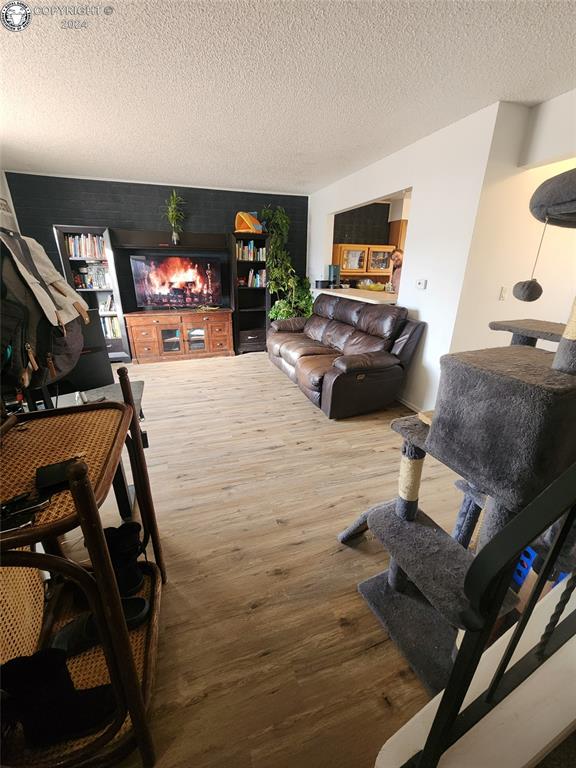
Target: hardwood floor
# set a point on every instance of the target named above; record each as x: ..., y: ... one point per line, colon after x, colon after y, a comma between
x: 268, y: 656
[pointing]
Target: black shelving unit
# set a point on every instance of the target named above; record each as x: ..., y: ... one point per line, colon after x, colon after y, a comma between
x: 75, y: 269
x: 251, y: 302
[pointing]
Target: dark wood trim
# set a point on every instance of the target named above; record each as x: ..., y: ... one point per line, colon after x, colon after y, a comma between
x: 150, y: 239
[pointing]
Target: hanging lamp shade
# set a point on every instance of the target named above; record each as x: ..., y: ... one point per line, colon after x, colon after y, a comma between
x: 555, y: 200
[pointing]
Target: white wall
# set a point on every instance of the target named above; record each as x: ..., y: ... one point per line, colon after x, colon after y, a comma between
x: 551, y: 132
x: 505, y: 242
x: 446, y: 172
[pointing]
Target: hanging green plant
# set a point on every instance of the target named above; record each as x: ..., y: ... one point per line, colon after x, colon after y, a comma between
x: 175, y: 214
x: 293, y: 297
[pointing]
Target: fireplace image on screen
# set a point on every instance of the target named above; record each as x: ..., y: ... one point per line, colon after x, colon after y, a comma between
x: 176, y: 281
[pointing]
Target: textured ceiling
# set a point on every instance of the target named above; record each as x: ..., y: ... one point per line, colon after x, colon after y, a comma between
x: 264, y: 95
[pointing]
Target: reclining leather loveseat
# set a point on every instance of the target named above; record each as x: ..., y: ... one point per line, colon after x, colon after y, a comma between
x: 349, y: 357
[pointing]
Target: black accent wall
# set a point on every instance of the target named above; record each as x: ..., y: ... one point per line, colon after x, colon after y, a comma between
x: 368, y: 224
x: 42, y: 201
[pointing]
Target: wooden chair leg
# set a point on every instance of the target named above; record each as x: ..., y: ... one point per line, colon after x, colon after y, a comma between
x: 140, y: 472
x: 89, y: 517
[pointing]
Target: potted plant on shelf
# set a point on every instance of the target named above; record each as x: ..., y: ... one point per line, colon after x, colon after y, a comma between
x: 292, y: 293
x: 175, y: 215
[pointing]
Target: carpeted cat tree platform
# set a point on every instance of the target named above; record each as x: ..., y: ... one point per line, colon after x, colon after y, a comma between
x: 505, y: 421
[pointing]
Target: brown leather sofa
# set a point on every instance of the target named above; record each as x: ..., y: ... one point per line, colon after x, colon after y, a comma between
x: 349, y: 357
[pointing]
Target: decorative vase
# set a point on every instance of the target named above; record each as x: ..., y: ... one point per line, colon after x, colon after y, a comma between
x: 175, y: 237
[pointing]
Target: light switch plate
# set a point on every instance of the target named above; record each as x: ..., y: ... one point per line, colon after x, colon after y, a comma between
x: 421, y: 284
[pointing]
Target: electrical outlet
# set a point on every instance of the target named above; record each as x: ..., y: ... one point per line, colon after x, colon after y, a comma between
x: 503, y: 295
x: 421, y: 284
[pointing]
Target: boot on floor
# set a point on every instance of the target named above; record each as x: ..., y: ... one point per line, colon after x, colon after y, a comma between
x: 125, y: 546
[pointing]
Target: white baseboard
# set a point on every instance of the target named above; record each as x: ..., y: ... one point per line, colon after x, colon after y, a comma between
x: 407, y: 403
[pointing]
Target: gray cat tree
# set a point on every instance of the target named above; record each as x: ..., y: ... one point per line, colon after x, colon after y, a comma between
x: 505, y: 421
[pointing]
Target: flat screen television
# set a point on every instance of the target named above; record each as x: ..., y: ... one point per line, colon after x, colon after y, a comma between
x: 166, y: 281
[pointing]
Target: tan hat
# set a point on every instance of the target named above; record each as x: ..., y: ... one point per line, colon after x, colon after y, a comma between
x: 7, y: 218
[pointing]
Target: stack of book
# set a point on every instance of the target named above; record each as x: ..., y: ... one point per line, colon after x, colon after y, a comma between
x: 111, y: 327
x: 85, y: 247
x: 256, y: 278
x: 249, y: 252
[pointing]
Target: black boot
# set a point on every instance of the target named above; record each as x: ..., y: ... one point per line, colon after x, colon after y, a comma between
x: 44, y: 700
x: 125, y: 546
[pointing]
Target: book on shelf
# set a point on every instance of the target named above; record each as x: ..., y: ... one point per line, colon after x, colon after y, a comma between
x: 249, y: 252
x: 85, y: 246
x: 111, y: 327
x: 91, y: 276
x: 256, y: 279
x: 108, y: 304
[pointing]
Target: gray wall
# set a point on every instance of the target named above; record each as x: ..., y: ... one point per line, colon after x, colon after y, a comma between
x: 42, y: 201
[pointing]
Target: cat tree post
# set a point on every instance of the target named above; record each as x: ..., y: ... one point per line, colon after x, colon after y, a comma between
x: 406, y: 505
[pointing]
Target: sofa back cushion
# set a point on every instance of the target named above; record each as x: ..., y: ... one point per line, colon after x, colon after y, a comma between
x: 353, y: 326
x: 359, y: 342
x: 315, y: 327
x: 324, y: 305
x: 384, y: 321
x: 337, y: 333
x: 348, y: 311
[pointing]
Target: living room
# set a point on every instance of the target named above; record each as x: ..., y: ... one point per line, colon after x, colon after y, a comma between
x: 288, y: 386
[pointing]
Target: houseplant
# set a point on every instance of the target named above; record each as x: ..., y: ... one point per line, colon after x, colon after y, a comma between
x: 175, y: 214
x: 291, y: 293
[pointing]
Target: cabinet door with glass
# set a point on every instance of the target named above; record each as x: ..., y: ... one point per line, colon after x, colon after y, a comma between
x: 353, y: 258
x: 196, y: 338
x: 170, y: 340
x: 379, y: 260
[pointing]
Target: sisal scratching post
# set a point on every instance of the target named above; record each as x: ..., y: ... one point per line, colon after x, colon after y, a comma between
x: 406, y: 505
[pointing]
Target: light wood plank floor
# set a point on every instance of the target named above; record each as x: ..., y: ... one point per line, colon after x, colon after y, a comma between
x: 268, y: 656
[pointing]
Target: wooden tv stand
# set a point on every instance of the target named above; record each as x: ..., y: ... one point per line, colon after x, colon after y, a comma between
x: 158, y: 335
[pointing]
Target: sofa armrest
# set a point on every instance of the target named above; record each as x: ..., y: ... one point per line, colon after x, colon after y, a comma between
x: 368, y: 361
x: 289, y: 325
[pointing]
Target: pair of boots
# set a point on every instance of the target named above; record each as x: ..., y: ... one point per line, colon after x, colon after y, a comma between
x: 38, y: 692
x: 124, y: 547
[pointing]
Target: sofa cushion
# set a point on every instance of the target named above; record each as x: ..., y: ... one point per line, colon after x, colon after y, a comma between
x: 310, y: 370
x: 324, y: 305
x: 384, y: 321
x: 315, y: 327
x: 292, y: 351
x: 336, y: 334
x: 359, y: 342
x: 275, y: 340
x: 348, y: 311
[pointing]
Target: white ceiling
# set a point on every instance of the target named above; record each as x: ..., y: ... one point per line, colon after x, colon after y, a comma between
x: 265, y: 95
